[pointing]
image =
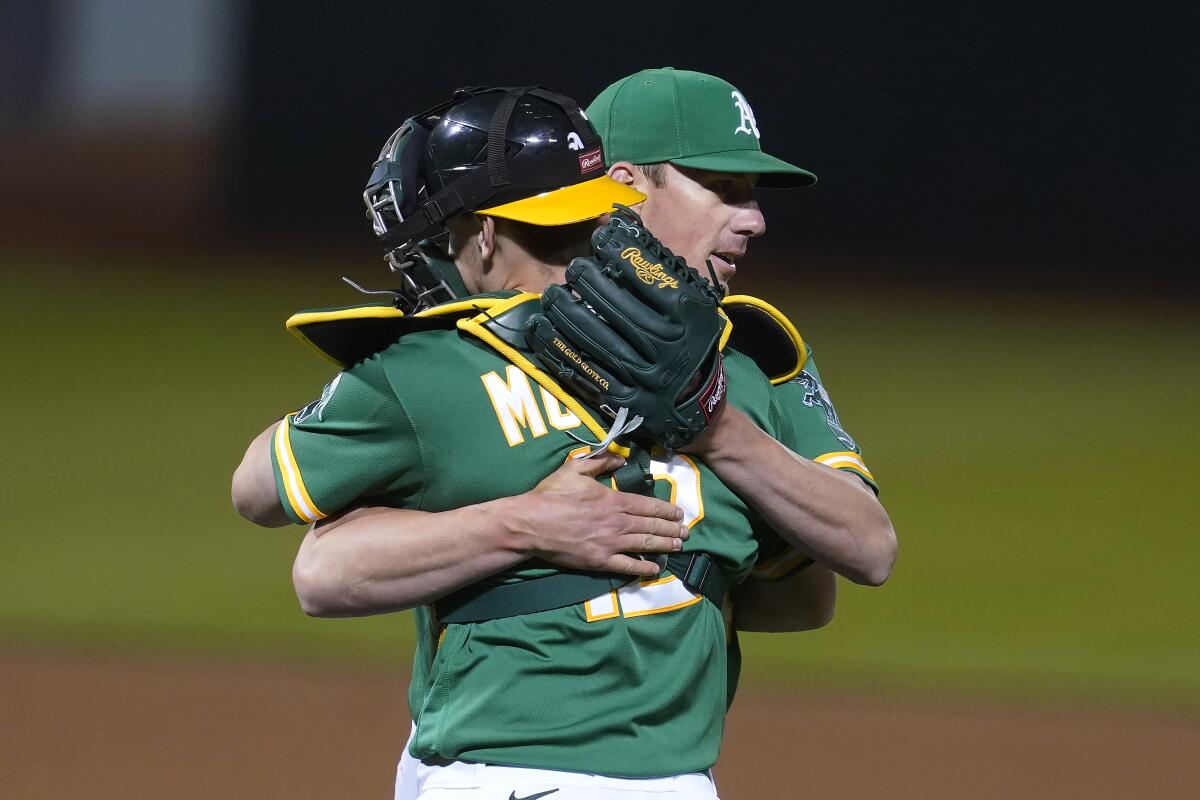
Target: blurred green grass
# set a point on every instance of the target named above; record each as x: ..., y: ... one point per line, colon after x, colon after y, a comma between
x: 1034, y: 453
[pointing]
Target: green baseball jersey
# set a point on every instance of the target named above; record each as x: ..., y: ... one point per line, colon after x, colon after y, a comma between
x: 631, y: 683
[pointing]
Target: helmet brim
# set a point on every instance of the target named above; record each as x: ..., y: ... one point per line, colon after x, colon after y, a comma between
x: 575, y: 203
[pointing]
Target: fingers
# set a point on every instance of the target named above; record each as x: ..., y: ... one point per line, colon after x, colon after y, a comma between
x: 628, y: 565
x: 596, y: 465
x: 642, y: 506
x: 649, y: 543
x: 660, y: 528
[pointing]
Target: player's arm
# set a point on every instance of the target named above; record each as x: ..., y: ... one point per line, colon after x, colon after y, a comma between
x: 374, y: 560
x: 801, y: 601
x: 377, y: 560
x: 787, y: 591
x: 255, y: 495
x: 354, y: 441
x: 825, y: 513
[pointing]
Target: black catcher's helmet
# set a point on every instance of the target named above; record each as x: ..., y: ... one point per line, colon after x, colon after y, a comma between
x: 525, y: 154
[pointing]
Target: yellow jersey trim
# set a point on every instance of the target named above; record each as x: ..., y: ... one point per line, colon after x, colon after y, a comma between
x: 784, y: 323
x: 474, y: 326
x: 846, y: 459
x: 289, y: 470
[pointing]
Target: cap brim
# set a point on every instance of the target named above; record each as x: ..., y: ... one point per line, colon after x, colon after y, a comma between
x: 774, y: 173
x: 575, y: 203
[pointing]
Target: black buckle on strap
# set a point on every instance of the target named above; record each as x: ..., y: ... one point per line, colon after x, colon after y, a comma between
x: 701, y: 574
x: 697, y: 571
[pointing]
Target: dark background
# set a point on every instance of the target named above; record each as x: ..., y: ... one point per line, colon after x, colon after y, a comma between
x: 968, y: 141
x: 965, y: 143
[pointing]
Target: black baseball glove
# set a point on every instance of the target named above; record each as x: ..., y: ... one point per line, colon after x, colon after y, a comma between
x: 635, y: 327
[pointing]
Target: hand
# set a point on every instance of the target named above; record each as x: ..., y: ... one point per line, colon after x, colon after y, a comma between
x: 572, y: 520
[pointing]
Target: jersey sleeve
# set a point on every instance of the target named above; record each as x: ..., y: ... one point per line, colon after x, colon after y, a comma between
x: 807, y: 423
x: 353, y: 442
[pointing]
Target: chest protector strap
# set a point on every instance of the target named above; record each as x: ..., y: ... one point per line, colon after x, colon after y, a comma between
x: 698, y: 571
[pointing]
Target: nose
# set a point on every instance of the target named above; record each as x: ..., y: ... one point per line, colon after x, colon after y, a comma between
x: 749, y: 220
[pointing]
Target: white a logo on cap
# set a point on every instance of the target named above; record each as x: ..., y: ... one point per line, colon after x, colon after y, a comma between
x: 747, y: 123
x: 574, y: 142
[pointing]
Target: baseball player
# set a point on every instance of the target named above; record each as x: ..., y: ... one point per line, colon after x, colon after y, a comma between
x: 500, y: 715
x: 691, y: 143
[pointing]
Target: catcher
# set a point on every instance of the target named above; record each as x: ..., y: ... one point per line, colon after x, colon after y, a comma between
x: 651, y: 653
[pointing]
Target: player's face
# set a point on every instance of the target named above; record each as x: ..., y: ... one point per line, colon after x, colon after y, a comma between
x: 703, y: 215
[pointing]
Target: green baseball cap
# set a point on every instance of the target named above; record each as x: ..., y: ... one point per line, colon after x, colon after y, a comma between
x: 690, y: 119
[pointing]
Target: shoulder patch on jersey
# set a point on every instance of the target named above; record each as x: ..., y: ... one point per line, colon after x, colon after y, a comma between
x: 317, y: 407
x: 815, y: 395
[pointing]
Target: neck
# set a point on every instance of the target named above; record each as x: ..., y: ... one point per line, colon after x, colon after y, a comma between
x: 535, y: 276
x: 513, y: 267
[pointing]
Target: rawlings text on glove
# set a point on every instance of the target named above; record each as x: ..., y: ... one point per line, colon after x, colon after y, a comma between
x: 635, y: 327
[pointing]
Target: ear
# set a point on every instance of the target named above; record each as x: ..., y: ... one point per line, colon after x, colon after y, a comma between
x: 625, y: 172
x: 487, y: 236
x: 463, y: 230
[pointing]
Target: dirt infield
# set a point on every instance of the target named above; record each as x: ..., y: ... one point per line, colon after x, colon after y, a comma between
x: 108, y: 727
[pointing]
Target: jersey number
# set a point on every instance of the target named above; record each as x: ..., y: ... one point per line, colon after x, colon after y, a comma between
x: 657, y: 595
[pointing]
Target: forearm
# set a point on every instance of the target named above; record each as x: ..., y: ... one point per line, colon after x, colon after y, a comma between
x: 378, y: 560
x: 254, y: 494
x: 802, y: 601
x: 374, y: 560
x: 825, y: 513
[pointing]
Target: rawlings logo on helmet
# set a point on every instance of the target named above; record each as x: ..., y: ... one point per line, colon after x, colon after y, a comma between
x: 647, y: 272
x: 591, y: 160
